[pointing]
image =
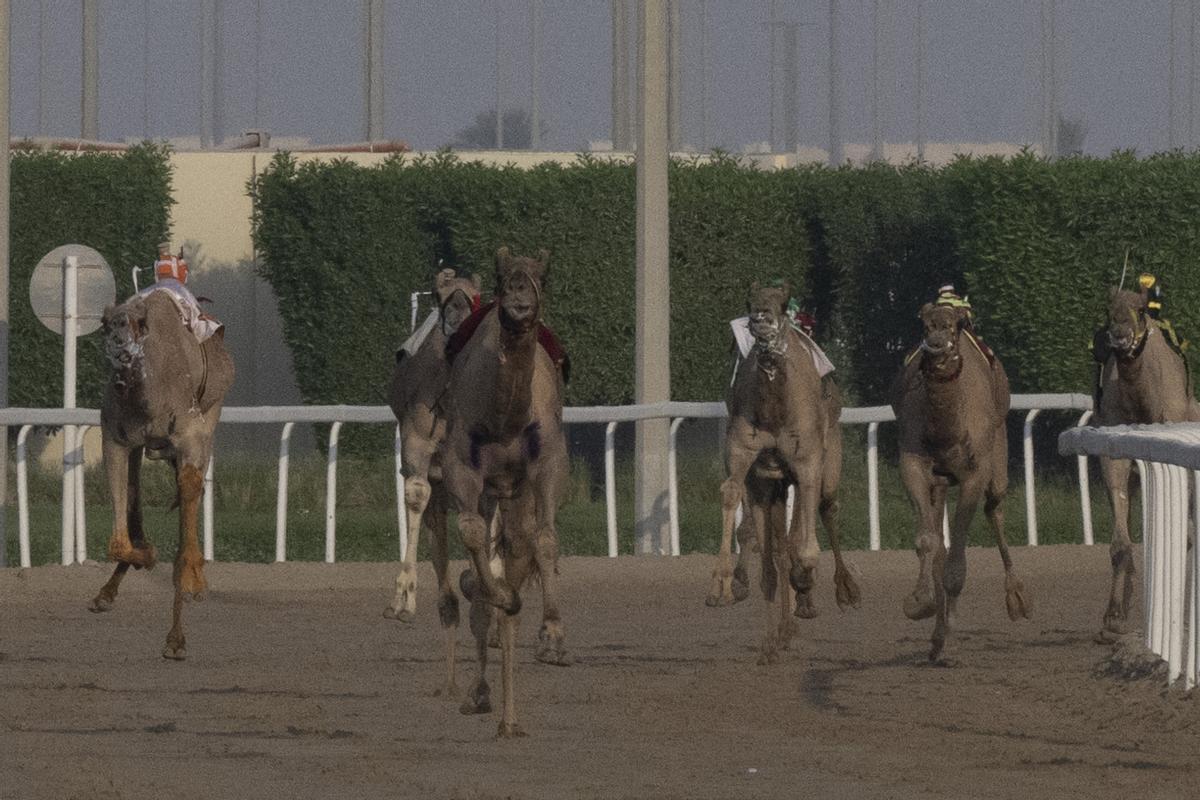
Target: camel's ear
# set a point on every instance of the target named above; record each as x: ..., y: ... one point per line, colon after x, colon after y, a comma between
x: 754, y: 287
x: 477, y: 282
x: 544, y: 258
x: 924, y: 312
x: 787, y: 295
x: 962, y: 314
x: 1112, y: 293
x: 503, y: 256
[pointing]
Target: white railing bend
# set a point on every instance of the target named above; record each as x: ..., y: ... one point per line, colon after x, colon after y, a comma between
x: 1168, y: 458
x: 610, y: 416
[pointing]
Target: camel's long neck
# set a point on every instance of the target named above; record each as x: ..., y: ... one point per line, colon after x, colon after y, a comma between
x: 512, y: 388
x: 944, y: 393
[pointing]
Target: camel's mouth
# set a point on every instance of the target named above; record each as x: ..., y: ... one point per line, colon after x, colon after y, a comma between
x: 1121, y: 341
x: 937, y: 348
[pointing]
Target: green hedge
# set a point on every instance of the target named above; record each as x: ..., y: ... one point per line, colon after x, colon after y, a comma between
x: 1034, y: 242
x: 117, y: 203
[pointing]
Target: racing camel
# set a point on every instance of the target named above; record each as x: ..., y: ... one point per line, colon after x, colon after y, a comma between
x: 783, y: 431
x: 951, y: 400
x: 163, y: 399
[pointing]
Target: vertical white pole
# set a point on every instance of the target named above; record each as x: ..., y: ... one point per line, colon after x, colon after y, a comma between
x: 1030, y: 500
x: 873, y: 483
x: 1178, y: 561
x: 401, y: 515
x: 208, y: 511
x: 281, y: 500
x: 673, y: 484
x: 77, y: 464
x: 1193, y: 673
x: 23, y: 497
x: 610, y: 486
x: 1085, y: 493
x: 331, y: 494
x: 70, y: 302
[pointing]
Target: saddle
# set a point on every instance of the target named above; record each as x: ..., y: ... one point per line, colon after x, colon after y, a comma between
x: 546, y: 338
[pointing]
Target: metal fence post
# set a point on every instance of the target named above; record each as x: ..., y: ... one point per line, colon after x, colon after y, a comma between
x: 1030, y: 501
x: 281, y: 501
x: 331, y: 494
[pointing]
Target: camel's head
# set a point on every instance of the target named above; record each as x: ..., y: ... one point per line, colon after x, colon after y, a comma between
x: 767, y: 306
x: 457, y: 298
x: 124, y: 327
x: 941, y: 324
x: 519, y: 281
x: 1127, y: 320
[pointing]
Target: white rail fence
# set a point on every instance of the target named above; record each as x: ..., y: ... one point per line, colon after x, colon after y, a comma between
x: 1168, y: 458
x: 74, y: 540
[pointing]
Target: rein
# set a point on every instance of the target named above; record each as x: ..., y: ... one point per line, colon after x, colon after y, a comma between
x: 773, y: 349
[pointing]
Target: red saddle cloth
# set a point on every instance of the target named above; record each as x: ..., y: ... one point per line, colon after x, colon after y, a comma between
x: 546, y: 338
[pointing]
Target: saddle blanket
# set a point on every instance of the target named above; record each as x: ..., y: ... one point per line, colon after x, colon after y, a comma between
x: 745, y: 341
x: 200, y: 324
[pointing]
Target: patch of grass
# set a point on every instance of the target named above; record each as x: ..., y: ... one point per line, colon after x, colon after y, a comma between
x: 245, y: 489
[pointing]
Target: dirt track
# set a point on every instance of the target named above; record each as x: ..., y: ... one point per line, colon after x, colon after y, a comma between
x: 296, y: 686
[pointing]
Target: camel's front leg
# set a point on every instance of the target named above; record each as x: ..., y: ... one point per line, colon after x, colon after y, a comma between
x: 1118, y: 479
x: 738, y: 461
x: 465, y: 485
x: 416, y: 498
x: 127, y: 544
x: 189, y: 561
x: 435, y: 517
x: 846, y: 590
x: 803, y: 546
x: 916, y: 473
x: 517, y: 565
x: 950, y: 573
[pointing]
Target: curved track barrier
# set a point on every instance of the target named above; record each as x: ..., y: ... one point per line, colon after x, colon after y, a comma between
x: 1168, y: 458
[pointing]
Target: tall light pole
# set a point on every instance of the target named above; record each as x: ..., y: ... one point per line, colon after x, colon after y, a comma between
x: 4, y: 179
x: 835, y: 91
x: 145, y: 69
x: 652, y: 355
x: 42, y: 123
x: 89, y: 125
x: 373, y: 88
x: 704, y: 75
x: 771, y: 75
x: 876, y: 120
x: 674, y: 74
x: 535, y: 112
x: 920, y: 81
x: 499, y: 110
x: 208, y: 72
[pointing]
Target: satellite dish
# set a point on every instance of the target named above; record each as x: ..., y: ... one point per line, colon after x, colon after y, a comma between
x: 97, y: 289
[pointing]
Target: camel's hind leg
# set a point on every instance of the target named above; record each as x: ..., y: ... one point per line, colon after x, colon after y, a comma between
x: 768, y: 509
x: 416, y: 498
x: 846, y: 589
x: 189, y: 561
x: 803, y: 548
x: 127, y: 544
x: 1015, y: 600
x: 748, y: 544
x: 738, y: 463
x: 950, y: 569
x: 1118, y: 479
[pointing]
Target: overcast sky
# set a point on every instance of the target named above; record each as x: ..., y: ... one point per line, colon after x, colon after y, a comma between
x: 982, y: 69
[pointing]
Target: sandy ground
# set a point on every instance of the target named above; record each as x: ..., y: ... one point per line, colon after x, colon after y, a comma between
x: 296, y: 686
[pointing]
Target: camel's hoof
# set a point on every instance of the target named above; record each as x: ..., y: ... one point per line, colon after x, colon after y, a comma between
x: 805, y: 608
x: 1017, y: 605
x: 769, y: 654
x: 509, y: 730
x: 740, y: 591
x: 494, y: 636
x: 477, y: 702
x: 507, y: 600
x: 847, y: 593
x: 450, y: 691
x: 399, y: 614
x: 935, y: 651
x: 448, y: 610
x: 918, y: 606
x: 552, y: 650
x: 175, y: 652
x: 100, y: 604
x: 722, y: 598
